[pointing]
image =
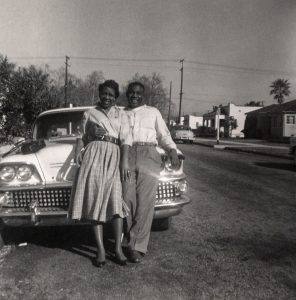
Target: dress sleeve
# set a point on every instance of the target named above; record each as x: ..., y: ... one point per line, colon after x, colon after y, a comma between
x: 125, y: 134
x: 163, y: 134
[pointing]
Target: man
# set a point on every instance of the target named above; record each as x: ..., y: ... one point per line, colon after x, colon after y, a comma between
x: 148, y: 130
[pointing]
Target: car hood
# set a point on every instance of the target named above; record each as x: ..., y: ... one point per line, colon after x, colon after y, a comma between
x: 54, y: 163
x: 57, y: 162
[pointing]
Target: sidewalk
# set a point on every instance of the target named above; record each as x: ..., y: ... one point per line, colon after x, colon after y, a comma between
x: 249, y: 146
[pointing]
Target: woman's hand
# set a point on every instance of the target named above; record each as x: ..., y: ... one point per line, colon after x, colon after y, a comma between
x: 124, y: 171
x: 124, y: 165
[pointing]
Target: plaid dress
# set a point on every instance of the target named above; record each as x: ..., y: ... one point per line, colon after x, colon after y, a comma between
x: 97, y: 191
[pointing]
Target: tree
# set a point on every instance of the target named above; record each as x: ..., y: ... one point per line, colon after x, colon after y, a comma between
x: 28, y: 94
x: 230, y: 123
x: 254, y: 103
x: 92, y: 85
x: 155, y: 93
x: 80, y: 92
x: 280, y: 88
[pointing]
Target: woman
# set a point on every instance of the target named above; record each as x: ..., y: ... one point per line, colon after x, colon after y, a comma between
x: 98, y: 192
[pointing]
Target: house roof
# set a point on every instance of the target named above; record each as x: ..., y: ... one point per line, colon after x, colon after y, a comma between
x: 275, y: 109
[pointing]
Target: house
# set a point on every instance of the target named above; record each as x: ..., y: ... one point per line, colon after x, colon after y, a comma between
x: 274, y: 122
x: 231, y: 118
x: 193, y: 121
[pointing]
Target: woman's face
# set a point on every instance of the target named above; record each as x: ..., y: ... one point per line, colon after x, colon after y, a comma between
x: 107, y: 97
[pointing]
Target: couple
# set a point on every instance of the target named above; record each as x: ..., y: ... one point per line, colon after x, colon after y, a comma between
x: 120, y: 161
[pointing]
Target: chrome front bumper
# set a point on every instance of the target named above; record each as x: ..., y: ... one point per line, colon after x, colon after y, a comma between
x: 40, y: 216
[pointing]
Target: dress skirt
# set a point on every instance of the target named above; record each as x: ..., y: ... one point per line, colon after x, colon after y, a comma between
x: 97, y: 191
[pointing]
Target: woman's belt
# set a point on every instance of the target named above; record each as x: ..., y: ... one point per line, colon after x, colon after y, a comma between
x: 106, y: 138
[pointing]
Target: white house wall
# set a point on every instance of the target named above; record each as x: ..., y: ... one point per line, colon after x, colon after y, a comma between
x: 239, y: 113
x: 289, y: 129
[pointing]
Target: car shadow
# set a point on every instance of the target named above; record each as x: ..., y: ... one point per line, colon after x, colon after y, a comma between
x: 280, y: 166
x: 79, y: 240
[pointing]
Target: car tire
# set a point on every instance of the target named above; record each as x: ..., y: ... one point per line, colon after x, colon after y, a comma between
x: 162, y: 224
x: 2, y: 242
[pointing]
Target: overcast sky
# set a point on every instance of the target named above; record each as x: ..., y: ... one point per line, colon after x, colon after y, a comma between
x: 233, y: 49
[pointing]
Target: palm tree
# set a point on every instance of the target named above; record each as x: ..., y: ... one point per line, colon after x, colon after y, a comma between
x: 280, y: 88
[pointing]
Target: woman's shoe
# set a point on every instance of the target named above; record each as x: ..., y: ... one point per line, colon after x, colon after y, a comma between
x: 98, y: 264
x: 120, y: 261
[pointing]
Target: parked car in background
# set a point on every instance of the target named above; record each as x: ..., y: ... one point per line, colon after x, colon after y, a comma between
x: 182, y: 133
x: 293, y: 147
x: 36, y: 176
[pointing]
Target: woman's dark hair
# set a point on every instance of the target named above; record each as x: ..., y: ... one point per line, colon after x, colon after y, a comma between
x: 112, y: 84
x: 135, y: 83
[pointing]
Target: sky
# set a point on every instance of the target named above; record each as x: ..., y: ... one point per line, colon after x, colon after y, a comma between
x: 232, y: 49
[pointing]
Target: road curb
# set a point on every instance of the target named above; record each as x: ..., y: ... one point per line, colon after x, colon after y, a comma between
x: 258, y: 152
x: 225, y: 147
x: 202, y: 144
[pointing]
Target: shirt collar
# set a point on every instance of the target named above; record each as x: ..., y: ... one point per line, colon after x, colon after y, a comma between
x: 137, y: 108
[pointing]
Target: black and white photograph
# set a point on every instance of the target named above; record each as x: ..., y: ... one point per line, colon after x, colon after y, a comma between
x: 147, y: 149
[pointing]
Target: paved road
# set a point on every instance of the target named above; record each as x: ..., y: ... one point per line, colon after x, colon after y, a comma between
x: 236, y: 240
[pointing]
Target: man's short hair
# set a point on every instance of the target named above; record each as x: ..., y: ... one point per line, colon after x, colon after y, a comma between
x: 135, y: 83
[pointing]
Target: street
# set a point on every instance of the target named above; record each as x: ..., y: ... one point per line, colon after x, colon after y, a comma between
x: 235, y: 240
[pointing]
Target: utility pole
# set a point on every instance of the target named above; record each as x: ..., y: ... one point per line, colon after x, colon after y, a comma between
x: 169, y: 114
x: 218, y: 124
x: 181, y: 91
x: 66, y: 80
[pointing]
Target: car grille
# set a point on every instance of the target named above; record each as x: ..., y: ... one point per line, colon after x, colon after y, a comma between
x: 60, y: 197
x: 166, y: 191
x: 55, y: 197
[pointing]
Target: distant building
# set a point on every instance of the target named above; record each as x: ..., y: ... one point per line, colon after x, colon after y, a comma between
x: 232, y: 119
x: 273, y: 122
x: 193, y: 121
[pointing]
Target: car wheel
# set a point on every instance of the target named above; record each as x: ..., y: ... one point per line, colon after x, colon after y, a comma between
x: 162, y: 224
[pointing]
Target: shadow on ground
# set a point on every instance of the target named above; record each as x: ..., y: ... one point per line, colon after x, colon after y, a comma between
x: 279, y: 166
x: 76, y: 239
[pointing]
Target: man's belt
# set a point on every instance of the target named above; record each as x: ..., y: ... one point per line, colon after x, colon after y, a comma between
x: 106, y: 138
x: 144, y: 144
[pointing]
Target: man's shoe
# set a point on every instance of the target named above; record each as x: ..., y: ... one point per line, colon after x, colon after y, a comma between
x: 135, y: 256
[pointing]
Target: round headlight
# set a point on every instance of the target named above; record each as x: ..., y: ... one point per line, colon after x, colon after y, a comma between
x: 24, y: 173
x: 7, y: 173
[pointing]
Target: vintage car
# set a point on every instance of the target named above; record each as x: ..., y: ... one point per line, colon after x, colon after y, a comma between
x: 36, y: 176
x: 181, y: 133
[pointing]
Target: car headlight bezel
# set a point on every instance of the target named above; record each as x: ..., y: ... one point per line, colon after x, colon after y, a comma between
x: 7, y: 173
x: 24, y: 172
x: 21, y: 174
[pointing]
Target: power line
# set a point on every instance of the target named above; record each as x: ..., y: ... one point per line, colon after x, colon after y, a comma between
x: 238, y: 68
x: 189, y: 63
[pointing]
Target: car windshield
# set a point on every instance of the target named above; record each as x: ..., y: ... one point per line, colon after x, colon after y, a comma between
x: 59, y: 125
x: 182, y: 127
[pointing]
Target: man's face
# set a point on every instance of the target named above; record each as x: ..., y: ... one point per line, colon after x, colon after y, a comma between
x: 135, y: 96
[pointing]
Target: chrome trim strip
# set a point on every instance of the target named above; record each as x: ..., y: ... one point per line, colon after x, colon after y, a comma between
x: 28, y: 214
x: 63, y: 184
x: 176, y: 201
x: 172, y: 178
